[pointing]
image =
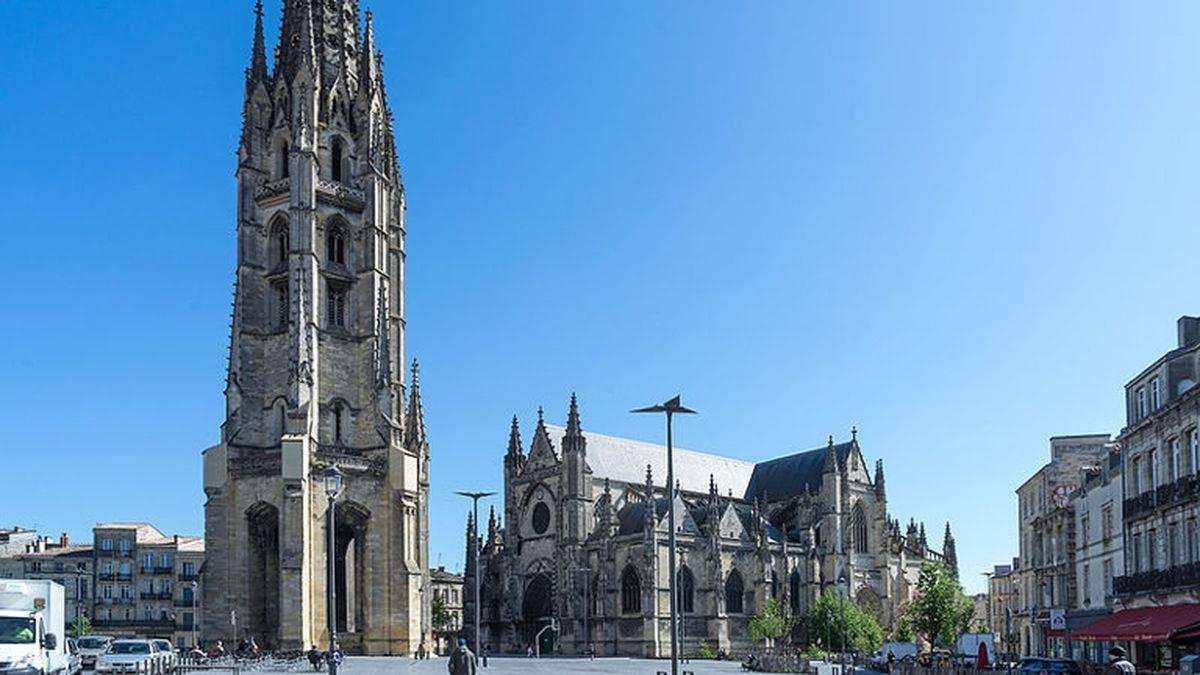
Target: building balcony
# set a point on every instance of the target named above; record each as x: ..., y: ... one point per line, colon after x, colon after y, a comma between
x: 155, y: 595
x: 1184, y: 490
x: 1178, y: 577
x: 115, y: 576
x: 161, y: 624
x: 187, y: 603
x: 189, y: 576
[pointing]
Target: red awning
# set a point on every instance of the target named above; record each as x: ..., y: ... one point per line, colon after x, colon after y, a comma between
x: 1145, y: 624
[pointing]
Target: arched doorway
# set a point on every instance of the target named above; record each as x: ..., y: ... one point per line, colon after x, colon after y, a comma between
x: 537, y: 609
x: 262, y: 573
x: 350, y: 562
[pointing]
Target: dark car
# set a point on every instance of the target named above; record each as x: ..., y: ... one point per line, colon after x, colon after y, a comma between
x: 1036, y: 665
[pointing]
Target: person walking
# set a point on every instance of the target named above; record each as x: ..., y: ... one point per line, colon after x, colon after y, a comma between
x: 1118, y: 664
x: 462, y: 661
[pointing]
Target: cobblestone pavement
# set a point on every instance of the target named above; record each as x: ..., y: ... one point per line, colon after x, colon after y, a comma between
x: 382, y: 665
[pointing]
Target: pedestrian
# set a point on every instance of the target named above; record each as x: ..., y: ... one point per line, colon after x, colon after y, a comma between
x: 529, y: 651
x: 1118, y: 664
x: 462, y: 661
x: 487, y: 651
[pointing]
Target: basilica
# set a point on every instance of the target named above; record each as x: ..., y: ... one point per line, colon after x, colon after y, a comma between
x: 581, y: 547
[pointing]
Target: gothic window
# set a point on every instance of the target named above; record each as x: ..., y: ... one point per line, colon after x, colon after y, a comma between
x: 686, y: 591
x: 335, y: 245
x: 541, y: 518
x: 336, y: 307
x: 279, y: 243
x: 335, y: 160
x: 734, y: 593
x: 774, y: 585
x: 281, y: 159
x: 794, y: 590
x: 631, y: 591
x: 281, y: 305
x: 338, y: 422
x: 595, y: 599
x: 859, y: 529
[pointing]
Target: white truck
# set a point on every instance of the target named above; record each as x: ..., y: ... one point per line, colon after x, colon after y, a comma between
x: 32, y: 628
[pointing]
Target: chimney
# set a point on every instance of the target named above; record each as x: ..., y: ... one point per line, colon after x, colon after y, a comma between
x: 176, y: 540
x: 1189, y: 330
x: 63, y: 541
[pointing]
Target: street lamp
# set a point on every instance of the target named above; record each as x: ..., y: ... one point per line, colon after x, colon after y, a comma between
x: 193, y: 586
x: 333, y: 487
x: 671, y: 407
x: 475, y: 497
x: 842, y: 580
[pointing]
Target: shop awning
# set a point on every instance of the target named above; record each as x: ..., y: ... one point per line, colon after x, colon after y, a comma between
x: 1144, y: 624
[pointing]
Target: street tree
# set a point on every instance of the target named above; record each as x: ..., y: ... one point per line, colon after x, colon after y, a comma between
x: 825, y: 624
x: 774, y: 623
x: 440, y: 615
x: 81, y: 626
x: 940, y: 612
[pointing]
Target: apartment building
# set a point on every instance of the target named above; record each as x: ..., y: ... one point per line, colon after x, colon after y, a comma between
x: 1099, y: 548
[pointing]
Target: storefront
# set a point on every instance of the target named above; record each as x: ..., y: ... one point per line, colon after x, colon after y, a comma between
x: 1155, y: 637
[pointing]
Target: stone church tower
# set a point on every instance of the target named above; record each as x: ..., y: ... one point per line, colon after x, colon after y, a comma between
x: 316, y: 358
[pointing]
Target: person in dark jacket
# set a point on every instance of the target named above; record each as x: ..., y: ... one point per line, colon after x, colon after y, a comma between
x: 462, y: 661
x: 1118, y: 664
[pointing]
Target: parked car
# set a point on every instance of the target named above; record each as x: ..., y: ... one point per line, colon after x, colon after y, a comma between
x: 1037, y: 665
x: 74, y: 662
x: 91, y: 647
x: 167, y: 658
x: 129, y: 656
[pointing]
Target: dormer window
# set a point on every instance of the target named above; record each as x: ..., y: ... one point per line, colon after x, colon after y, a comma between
x: 1140, y: 398
x: 1155, y: 396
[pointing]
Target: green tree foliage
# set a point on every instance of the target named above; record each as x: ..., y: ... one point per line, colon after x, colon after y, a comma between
x: 940, y: 611
x: 441, y: 616
x: 774, y: 623
x: 705, y: 651
x: 824, y: 623
x: 81, y: 626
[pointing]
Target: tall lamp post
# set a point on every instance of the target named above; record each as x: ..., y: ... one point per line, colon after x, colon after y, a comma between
x: 843, y: 581
x: 475, y: 497
x: 671, y: 408
x: 333, y: 487
x: 194, y: 586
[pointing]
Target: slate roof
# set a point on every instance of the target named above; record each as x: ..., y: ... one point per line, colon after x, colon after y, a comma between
x: 786, y: 476
x: 624, y: 460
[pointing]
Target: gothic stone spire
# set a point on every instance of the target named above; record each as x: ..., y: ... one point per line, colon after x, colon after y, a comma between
x: 950, y: 552
x: 414, y: 425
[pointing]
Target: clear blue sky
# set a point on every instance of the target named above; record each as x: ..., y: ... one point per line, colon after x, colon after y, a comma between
x: 960, y: 227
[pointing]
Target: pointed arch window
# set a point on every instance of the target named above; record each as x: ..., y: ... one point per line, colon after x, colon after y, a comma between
x: 335, y: 159
x: 335, y: 309
x: 686, y: 591
x: 338, y: 422
x: 281, y: 304
x: 279, y: 243
x: 631, y: 591
x: 734, y: 593
x: 281, y: 159
x: 858, y: 524
x: 335, y: 245
x: 774, y: 585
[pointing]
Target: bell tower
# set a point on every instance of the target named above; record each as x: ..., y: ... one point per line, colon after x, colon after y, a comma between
x: 316, y: 373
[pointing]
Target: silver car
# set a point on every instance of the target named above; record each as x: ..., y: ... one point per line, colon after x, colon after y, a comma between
x: 91, y: 647
x: 167, y: 659
x: 129, y: 656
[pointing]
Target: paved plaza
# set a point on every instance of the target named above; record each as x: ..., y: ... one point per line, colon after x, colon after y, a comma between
x: 385, y: 665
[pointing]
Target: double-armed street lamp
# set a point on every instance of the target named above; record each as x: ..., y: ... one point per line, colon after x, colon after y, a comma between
x: 333, y: 487
x: 670, y: 408
x: 843, y: 580
x: 475, y: 497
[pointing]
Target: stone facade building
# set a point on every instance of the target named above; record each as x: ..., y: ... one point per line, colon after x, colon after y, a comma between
x: 143, y: 582
x: 1046, y: 529
x: 1160, y: 448
x: 1002, y: 608
x: 448, y: 592
x: 61, y: 561
x: 1099, y: 552
x: 316, y: 357
x: 583, y: 542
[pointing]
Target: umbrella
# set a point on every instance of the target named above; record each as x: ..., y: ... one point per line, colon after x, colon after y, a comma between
x: 981, y: 661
